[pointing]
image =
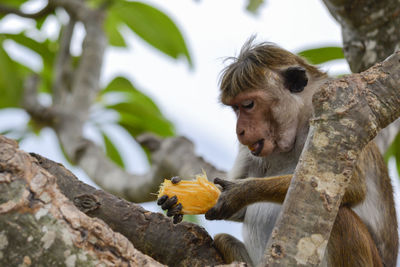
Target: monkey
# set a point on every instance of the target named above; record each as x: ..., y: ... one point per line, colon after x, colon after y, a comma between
x: 270, y: 90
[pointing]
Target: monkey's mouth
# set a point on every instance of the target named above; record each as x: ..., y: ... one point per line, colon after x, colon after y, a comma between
x: 257, y: 147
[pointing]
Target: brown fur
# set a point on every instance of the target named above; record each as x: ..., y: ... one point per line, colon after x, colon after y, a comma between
x: 365, y: 230
x: 248, y: 70
x: 231, y: 249
x: 350, y: 243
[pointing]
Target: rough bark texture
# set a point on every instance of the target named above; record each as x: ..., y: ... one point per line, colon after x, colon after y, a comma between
x: 349, y: 112
x: 39, y: 226
x: 369, y: 30
x: 370, y: 34
x: 185, y: 244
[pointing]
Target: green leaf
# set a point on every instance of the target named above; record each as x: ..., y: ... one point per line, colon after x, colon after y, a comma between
x: 111, y: 28
x: 46, y: 50
x: 138, y: 113
x: 132, y: 95
x: 111, y: 151
x: 40, y: 21
x: 322, y: 54
x: 119, y: 84
x: 13, y: 3
x: 254, y: 5
x: 191, y: 218
x: 42, y: 48
x: 393, y: 150
x: 11, y: 80
x: 136, y: 124
x: 154, y: 27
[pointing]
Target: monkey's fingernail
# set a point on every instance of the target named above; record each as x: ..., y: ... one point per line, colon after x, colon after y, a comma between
x: 169, y: 203
x: 223, y: 183
x: 162, y: 199
x: 210, y: 215
x: 178, y: 218
x: 218, y: 180
x: 175, y: 210
x: 175, y: 180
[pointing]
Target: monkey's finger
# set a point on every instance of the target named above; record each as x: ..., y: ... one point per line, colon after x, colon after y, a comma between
x: 175, y: 210
x: 211, y: 214
x: 175, y: 180
x: 178, y: 218
x: 161, y: 200
x: 222, y: 182
x: 169, y: 203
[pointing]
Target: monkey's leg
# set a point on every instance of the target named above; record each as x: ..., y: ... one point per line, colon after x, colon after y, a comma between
x: 231, y: 249
x: 350, y: 243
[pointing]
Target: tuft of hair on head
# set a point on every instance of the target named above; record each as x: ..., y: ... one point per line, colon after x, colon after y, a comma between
x: 248, y: 70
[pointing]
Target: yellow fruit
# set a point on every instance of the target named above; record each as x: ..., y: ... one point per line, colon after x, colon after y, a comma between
x: 196, y: 197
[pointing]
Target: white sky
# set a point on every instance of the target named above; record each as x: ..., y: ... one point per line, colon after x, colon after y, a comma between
x: 213, y: 30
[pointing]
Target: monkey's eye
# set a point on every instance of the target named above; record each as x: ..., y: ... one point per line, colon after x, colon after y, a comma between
x: 248, y: 104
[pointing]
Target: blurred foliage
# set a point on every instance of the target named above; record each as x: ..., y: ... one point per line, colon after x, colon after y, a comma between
x: 253, y: 6
x: 112, y: 151
x: 394, y: 151
x: 150, y: 24
x: 322, y: 54
x: 137, y: 113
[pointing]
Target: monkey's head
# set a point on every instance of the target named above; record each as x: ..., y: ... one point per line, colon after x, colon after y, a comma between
x: 270, y: 90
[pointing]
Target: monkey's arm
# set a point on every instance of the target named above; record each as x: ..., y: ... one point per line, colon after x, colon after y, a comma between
x: 237, y: 195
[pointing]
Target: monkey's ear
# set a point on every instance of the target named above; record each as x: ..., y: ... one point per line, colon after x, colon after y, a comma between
x: 295, y: 79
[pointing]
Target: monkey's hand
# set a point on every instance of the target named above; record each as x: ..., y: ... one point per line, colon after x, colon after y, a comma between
x: 231, y: 200
x: 169, y: 204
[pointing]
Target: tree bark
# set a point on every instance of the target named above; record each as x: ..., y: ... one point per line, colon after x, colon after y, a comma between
x: 349, y: 112
x: 39, y: 226
x: 185, y: 244
x: 369, y: 29
x: 370, y: 34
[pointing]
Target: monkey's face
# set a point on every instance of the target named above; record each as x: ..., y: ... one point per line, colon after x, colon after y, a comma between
x: 268, y: 119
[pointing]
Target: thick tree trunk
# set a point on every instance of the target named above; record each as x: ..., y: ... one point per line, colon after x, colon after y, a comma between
x: 37, y: 220
x: 370, y: 34
x: 349, y: 112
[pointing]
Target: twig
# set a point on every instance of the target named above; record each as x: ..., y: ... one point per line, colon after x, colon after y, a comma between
x: 41, y: 13
x: 63, y: 67
x: 40, y: 113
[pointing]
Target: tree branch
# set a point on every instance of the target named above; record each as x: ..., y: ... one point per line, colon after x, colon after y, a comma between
x: 40, y: 223
x: 185, y: 244
x: 49, y: 8
x: 170, y: 157
x: 370, y: 34
x: 349, y: 112
x: 41, y: 114
x: 63, y: 69
x: 369, y: 30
